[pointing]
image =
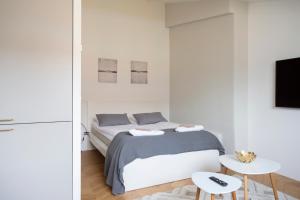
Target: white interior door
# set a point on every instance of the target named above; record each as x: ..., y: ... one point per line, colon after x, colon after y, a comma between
x: 36, y: 162
x: 36, y: 60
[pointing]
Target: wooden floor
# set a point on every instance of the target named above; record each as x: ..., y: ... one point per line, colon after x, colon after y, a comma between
x: 94, y: 188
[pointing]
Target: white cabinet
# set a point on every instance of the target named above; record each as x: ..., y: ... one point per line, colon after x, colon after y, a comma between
x: 36, y: 162
x: 36, y: 86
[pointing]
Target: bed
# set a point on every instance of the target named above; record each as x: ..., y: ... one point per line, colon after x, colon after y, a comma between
x: 155, y: 170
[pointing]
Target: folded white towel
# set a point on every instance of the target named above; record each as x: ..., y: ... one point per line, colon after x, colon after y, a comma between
x: 189, y: 128
x: 144, y: 132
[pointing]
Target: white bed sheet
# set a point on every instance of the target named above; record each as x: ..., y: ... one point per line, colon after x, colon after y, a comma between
x: 111, y: 131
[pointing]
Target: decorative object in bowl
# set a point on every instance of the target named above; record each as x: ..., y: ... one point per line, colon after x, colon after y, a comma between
x: 245, y: 157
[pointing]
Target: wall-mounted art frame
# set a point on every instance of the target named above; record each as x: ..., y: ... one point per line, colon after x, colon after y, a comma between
x: 107, y: 70
x: 139, y: 72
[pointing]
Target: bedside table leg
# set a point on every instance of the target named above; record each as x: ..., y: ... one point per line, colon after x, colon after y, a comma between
x: 198, y: 194
x: 212, y: 197
x: 273, y: 186
x: 233, y: 195
x: 246, y: 187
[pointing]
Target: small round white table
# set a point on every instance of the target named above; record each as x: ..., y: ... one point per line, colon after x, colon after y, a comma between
x: 257, y: 167
x: 202, y: 181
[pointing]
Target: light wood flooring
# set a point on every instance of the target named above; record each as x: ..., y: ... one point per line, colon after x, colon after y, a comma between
x: 93, y: 185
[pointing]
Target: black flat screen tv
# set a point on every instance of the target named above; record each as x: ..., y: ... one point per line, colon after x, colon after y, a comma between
x: 288, y: 83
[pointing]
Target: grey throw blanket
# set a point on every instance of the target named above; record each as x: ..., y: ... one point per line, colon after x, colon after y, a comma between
x: 125, y: 148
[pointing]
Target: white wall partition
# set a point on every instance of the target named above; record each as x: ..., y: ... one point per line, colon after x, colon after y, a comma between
x: 76, y: 126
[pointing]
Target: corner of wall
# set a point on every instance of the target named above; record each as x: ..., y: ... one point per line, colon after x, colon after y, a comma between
x: 187, y: 12
x: 240, y: 10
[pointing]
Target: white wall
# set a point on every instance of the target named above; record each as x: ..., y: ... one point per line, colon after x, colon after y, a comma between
x: 202, y: 75
x: 209, y: 67
x: 274, y: 29
x: 125, y: 30
x: 186, y: 12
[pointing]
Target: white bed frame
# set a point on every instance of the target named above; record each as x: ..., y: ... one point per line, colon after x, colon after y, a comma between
x: 156, y: 170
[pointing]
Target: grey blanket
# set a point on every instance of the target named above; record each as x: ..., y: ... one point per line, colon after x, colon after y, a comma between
x: 125, y: 148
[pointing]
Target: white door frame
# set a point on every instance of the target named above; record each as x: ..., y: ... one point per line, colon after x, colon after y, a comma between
x: 77, y: 99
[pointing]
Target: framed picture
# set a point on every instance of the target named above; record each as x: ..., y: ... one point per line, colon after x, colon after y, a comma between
x: 107, y: 70
x: 139, y: 72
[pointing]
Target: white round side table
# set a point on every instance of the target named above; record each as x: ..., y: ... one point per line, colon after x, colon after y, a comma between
x: 257, y: 167
x: 202, y: 181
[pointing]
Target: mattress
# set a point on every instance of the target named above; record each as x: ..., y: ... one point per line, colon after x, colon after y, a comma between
x: 107, y: 133
x: 99, y: 135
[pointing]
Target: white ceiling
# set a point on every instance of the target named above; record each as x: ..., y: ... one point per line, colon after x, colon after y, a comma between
x: 176, y: 1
